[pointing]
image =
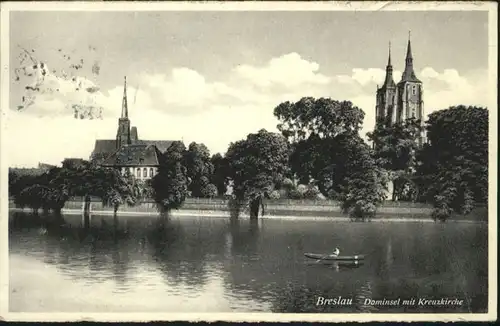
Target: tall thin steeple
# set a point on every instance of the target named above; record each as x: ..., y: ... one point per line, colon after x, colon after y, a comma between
x: 389, y: 80
x: 409, y: 73
x: 409, y: 57
x: 124, y: 101
x: 389, y: 60
x: 123, y: 133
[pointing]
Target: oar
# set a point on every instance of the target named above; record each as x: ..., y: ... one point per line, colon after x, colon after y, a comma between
x: 322, y: 258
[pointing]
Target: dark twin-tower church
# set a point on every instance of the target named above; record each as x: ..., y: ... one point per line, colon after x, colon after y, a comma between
x: 401, y: 101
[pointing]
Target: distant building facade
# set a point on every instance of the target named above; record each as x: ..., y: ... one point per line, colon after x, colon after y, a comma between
x: 397, y: 102
x: 141, y: 158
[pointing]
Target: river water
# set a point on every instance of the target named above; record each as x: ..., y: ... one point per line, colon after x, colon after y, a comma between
x: 203, y: 264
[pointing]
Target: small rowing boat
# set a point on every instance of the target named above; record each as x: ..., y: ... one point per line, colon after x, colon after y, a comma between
x: 333, y: 257
x: 339, y: 263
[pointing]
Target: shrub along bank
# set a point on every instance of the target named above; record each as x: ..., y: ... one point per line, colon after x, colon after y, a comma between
x: 280, y: 207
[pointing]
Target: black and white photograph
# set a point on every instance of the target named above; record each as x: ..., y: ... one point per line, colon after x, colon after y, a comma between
x: 248, y: 161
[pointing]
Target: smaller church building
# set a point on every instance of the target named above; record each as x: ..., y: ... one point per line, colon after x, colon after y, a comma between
x: 141, y: 158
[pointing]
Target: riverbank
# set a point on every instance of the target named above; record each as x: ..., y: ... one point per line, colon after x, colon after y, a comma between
x: 283, y: 209
x: 225, y: 214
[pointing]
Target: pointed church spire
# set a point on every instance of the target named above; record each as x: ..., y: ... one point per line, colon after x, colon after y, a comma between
x: 409, y: 73
x: 409, y: 56
x: 124, y: 102
x: 389, y: 81
x: 389, y: 60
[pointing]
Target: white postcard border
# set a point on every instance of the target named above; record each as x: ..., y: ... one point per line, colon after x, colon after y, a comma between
x: 6, y: 7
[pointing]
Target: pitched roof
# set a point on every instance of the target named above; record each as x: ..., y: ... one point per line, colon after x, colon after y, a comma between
x: 134, y: 155
x: 104, y: 146
x: 162, y: 145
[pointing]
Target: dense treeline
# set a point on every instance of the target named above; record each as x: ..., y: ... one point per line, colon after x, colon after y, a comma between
x: 50, y: 190
x: 317, y: 154
x: 449, y: 171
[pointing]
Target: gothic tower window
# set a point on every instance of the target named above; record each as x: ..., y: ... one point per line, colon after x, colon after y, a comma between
x: 414, y: 89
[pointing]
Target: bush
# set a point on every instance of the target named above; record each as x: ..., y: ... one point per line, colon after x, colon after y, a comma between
x: 287, y: 184
x: 209, y: 191
x: 295, y: 194
x: 302, y: 189
x: 320, y: 196
x: 311, y: 193
x: 274, y: 195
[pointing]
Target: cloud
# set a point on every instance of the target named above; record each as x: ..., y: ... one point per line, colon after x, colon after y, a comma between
x: 289, y: 70
x: 449, y: 87
x: 441, y: 89
x: 34, y: 139
x: 46, y: 92
x: 187, y: 92
x: 183, y: 104
x: 184, y: 87
x: 364, y: 77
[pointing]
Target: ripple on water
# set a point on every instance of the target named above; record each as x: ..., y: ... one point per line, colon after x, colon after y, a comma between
x: 208, y: 266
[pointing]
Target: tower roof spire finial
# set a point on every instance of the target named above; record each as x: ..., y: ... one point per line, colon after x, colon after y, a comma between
x: 124, y: 101
x: 389, y: 81
x: 389, y: 60
x: 409, y: 73
x: 408, y: 50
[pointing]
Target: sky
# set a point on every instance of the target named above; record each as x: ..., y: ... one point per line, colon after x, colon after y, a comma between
x: 214, y: 77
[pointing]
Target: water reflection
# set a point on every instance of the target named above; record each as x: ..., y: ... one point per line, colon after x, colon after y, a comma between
x: 210, y: 264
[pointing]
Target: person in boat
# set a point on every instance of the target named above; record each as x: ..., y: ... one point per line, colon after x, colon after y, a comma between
x: 336, y: 252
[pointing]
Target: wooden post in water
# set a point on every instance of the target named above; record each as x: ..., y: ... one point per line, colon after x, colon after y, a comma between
x: 255, y: 206
x: 234, y: 206
x: 86, y: 212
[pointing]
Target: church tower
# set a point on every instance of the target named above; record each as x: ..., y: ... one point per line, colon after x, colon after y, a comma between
x: 410, y: 92
x: 386, y: 95
x: 123, y: 133
x: 396, y: 103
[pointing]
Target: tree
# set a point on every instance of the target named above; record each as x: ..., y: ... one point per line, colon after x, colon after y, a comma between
x: 256, y: 164
x: 143, y: 189
x: 323, y: 117
x: 310, y: 125
x: 199, y: 168
x: 19, y: 181
x: 327, y: 148
x: 453, y: 165
x: 86, y: 180
x: 330, y: 158
x: 170, y: 184
x: 364, y: 186
x: 52, y: 189
x: 33, y: 196
x: 395, y: 147
x: 219, y: 176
